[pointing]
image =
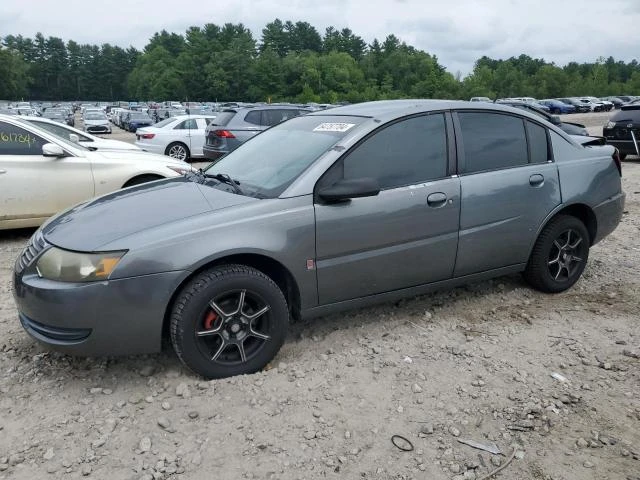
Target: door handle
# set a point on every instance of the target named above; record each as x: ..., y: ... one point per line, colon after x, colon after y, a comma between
x: 2, y: 171
x: 536, y: 180
x: 437, y: 199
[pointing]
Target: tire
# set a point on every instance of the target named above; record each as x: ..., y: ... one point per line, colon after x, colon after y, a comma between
x: 225, y: 340
x: 559, y: 255
x: 178, y: 150
x: 142, y: 179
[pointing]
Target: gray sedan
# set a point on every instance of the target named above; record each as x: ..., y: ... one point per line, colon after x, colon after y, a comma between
x: 327, y: 211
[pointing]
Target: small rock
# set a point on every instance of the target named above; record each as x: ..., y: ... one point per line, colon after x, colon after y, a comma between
x: 147, y: 370
x: 496, y: 460
x: 196, y: 459
x: 86, y: 470
x: 204, y: 385
x: 166, y: 406
x: 582, y: 443
x: 98, y: 443
x: 107, y: 391
x: 519, y: 454
x: 588, y: 464
x: 16, y: 459
x: 182, y: 390
x: 309, y: 435
x: 415, y: 388
x: 145, y: 444
x: 95, y: 390
x: 48, y: 455
x: 53, y: 468
x: 193, y: 415
x: 347, y: 434
x: 455, y: 468
x: 164, y: 423
x: 427, y: 429
x: 454, y: 431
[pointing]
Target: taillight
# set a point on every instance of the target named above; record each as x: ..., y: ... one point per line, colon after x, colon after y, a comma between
x: 223, y: 134
x: 147, y: 135
x: 616, y: 160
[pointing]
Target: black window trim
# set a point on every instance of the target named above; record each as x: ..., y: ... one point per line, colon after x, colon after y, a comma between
x: 450, y: 142
x: 461, y: 155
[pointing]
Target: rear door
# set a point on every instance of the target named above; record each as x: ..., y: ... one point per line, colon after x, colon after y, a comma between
x: 35, y: 186
x: 406, y: 235
x: 509, y: 185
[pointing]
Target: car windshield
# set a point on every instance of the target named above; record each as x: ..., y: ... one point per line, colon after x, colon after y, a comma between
x: 268, y: 163
x: 140, y: 116
x: 95, y: 116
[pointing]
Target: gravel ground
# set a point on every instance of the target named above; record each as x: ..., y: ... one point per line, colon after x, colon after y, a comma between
x: 474, y: 363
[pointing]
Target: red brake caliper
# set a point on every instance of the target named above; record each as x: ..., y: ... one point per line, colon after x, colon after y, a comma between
x: 210, y: 320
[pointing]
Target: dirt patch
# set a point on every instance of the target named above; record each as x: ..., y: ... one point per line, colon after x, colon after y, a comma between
x: 474, y: 363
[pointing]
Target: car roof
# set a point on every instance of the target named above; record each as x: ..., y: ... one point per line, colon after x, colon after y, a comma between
x: 186, y: 117
x: 389, y: 109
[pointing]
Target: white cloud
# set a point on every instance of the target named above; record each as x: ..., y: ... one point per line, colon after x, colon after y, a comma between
x: 458, y: 32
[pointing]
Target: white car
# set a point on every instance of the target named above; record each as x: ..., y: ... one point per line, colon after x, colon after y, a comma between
x: 85, y: 139
x: 42, y: 174
x: 180, y: 137
x: 96, y: 122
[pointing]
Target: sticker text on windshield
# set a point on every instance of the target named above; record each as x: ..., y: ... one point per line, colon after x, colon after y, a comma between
x: 334, y: 127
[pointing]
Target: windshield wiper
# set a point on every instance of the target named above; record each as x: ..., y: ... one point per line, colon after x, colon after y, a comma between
x: 224, y: 178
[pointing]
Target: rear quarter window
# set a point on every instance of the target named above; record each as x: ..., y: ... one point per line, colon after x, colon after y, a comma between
x: 563, y: 149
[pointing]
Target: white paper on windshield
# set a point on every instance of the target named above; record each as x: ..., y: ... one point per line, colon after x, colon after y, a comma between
x: 334, y: 127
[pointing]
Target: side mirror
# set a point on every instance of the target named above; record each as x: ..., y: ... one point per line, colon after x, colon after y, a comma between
x: 74, y: 138
x: 348, y: 189
x: 52, y: 150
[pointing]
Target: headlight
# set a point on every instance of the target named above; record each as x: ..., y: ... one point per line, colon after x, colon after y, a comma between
x: 610, y: 125
x: 66, y: 266
x: 181, y: 170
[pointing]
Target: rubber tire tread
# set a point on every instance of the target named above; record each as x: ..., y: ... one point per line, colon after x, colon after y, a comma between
x: 536, y: 272
x: 206, y: 280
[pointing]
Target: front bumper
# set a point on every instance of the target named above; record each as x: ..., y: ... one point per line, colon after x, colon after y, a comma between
x: 98, y: 128
x: 116, y: 317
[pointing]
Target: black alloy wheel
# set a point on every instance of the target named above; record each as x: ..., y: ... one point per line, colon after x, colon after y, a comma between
x: 559, y: 255
x: 229, y: 320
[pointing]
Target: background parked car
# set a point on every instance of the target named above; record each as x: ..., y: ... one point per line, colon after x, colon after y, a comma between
x: 623, y: 130
x: 569, y: 127
x: 232, y: 127
x: 43, y: 173
x: 580, y: 107
x: 617, y: 102
x: 73, y: 134
x: 594, y: 106
x: 96, y: 122
x: 179, y: 137
x: 557, y: 107
x: 134, y: 120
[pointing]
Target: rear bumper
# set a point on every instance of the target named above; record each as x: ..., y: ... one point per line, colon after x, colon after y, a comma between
x: 624, y: 146
x: 608, y: 215
x: 212, y: 154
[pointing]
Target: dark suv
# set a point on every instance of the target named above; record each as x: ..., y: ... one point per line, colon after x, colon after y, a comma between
x: 234, y: 126
x: 623, y: 130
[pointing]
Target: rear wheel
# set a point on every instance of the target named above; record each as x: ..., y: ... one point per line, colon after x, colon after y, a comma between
x: 559, y: 255
x: 229, y: 320
x: 178, y: 150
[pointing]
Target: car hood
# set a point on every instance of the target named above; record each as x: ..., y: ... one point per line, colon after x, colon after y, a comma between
x: 86, y: 227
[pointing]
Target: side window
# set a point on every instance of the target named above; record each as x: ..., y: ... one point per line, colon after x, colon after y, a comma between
x: 254, y: 117
x: 538, y: 144
x: 407, y: 152
x: 17, y: 141
x: 187, y: 125
x: 492, y: 141
x: 273, y: 117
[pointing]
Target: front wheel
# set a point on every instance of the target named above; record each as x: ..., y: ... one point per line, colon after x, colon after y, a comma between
x: 229, y: 320
x: 559, y: 255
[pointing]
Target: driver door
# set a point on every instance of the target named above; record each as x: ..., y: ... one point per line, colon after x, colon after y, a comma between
x: 35, y: 186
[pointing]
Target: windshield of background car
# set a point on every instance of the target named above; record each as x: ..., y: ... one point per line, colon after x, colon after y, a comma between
x: 140, y: 116
x: 95, y: 116
x: 268, y: 163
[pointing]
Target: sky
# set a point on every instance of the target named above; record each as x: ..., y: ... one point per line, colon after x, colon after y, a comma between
x: 457, y: 31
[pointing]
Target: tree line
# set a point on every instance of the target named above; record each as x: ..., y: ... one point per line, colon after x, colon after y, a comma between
x: 290, y: 62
